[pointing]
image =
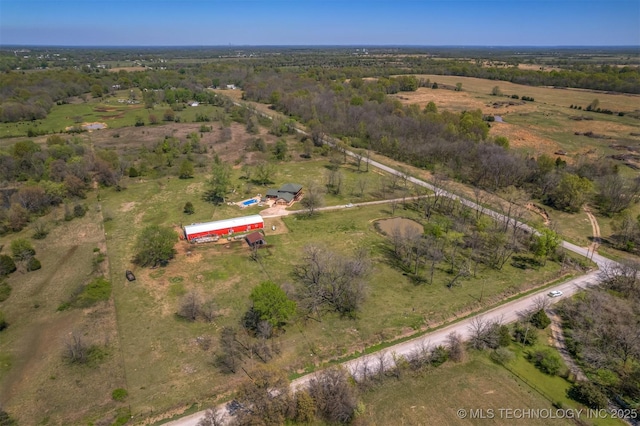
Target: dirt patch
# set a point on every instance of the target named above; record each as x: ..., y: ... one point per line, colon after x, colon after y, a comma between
x: 406, y: 226
x: 540, y: 211
x: 126, y: 207
x: 278, y: 223
x: 444, y: 99
x: 521, y: 138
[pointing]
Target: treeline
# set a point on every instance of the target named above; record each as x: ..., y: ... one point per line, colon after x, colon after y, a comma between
x: 601, y: 330
x: 359, y: 113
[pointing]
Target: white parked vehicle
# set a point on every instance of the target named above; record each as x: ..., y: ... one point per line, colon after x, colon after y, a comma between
x: 555, y: 293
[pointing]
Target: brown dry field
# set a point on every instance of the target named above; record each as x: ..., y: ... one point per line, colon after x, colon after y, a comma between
x: 543, y: 95
x: 537, y: 67
x: 128, y: 69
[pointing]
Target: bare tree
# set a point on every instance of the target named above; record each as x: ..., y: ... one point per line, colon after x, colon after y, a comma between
x: 76, y: 350
x: 330, y: 280
x: 266, y: 398
x: 455, y: 346
x: 190, y: 306
x: 229, y: 359
x: 335, y: 398
x: 484, y: 333
x: 313, y: 198
x: 212, y: 418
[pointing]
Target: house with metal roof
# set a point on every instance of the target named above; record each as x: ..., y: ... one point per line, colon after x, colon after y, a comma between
x: 286, y: 195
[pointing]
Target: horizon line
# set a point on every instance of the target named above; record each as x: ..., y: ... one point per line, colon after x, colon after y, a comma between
x: 492, y: 46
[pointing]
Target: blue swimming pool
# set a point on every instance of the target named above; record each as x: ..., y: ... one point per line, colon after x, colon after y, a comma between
x: 249, y: 202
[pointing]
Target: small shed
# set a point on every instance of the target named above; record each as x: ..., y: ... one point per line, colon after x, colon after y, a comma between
x: 255, y: 239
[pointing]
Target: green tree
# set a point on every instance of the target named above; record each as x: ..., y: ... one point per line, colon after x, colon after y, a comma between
x: 588, y: 394
x: 594, y: 105
x: 496, y: 91
x: 219, y: 182
x: 281, y: 150
x: 186, y: 169
x: 97, y: 91
x: 431, y: 107
x: 22, y: 250
x: 571, y: 192
x: 271, y: 303
x: 155, y: 246
x: 545, y: 244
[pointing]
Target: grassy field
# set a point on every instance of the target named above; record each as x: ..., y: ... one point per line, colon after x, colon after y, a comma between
x: 35, y: 382
x: 436, y: 396
x: 165, y: 362
x: 544, y: 126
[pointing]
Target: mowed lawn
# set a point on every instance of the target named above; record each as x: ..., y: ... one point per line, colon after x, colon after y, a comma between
x: 434, y: 397
x: 166, y: 359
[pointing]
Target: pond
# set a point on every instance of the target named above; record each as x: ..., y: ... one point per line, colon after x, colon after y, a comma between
x: 94, y: 126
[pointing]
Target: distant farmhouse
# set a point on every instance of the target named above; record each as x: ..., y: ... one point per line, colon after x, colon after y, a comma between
x: 286, y: 195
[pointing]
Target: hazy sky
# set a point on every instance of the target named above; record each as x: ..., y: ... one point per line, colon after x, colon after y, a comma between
x: 328, y: 22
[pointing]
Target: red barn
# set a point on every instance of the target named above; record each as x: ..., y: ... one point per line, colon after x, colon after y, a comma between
x: 223, y: 227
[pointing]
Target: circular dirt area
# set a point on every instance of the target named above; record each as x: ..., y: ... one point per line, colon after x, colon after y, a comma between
x: 406, y: 226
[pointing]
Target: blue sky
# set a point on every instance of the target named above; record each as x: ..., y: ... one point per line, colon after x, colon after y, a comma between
x: 328, y: 22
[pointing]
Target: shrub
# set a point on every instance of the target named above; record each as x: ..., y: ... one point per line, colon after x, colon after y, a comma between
x: 33, y: 264
x: 7, y: 265
x: 96, y: 291
x: 505, y: 336
x: 40, y: 231
x: 3, y: 322
x: 119, y: 394
x: 523, y: 333
x: 502, y: 356
x: 79, y: 210
x: 546, y: 361
x: 540, y: 319
x: 588, y: 394
x: 21, y: 249
x: 188, y: 208
x: 5, y: 291
x: 133, y: 172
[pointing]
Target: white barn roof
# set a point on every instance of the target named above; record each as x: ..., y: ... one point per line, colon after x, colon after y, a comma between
x: 197, y: 228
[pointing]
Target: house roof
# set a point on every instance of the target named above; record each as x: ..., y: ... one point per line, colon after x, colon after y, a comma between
x: 287, y: 196
x: 196, y: 228
x: 293, y: 188
x: 253, y: 238
x: 272, y: 193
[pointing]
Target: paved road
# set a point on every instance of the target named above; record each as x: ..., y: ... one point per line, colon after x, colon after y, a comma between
x: 509, y: 312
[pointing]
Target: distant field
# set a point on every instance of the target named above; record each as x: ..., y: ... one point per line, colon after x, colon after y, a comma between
x: 109, y: 110
x: 543, y: 126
